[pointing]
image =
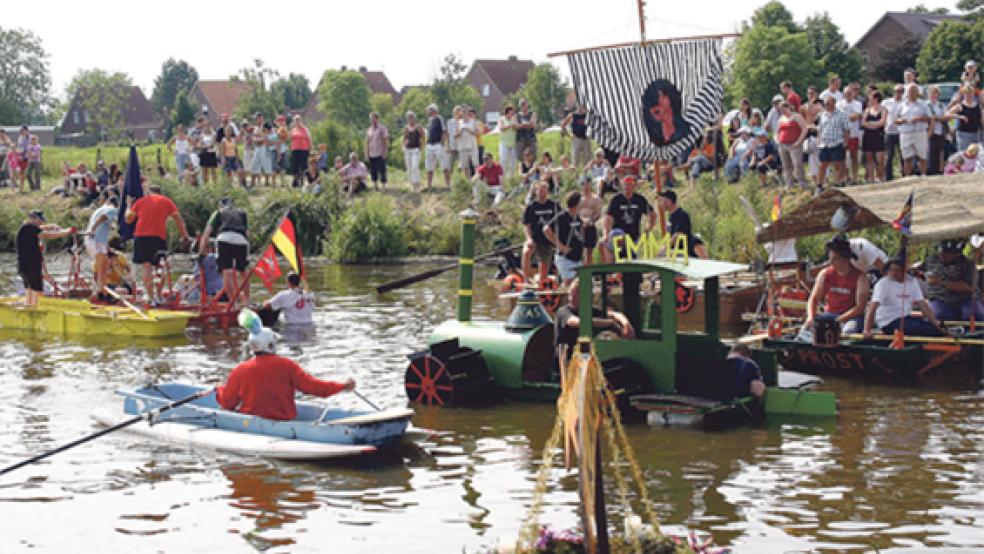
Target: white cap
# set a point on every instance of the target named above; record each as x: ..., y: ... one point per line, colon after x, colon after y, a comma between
x: 265, y: 341
x: 778, y: 98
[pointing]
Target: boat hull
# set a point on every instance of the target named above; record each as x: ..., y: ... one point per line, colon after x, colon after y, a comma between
x: 64, y: 316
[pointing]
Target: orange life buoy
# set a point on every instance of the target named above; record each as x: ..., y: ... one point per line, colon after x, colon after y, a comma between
x: 685, y: 296
x: 550, y: 302
x: 512, y: 283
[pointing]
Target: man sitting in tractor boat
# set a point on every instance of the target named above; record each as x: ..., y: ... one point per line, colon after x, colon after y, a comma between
x: 97, y: 240
x: 748, y: 374
x: 30, y: 258
x: 679, y: 225
x: 567, y: 322
x: 841, y: 287
x: 568, y: 238
x: 265, y: 384
x: 951, y: 277
x: 539, y: 213
x: 152, y: 212
x: 296, y: 303
x: 190, y: 286
x: 229, y: 224
x: 892, y: 301
x: 624, y: 216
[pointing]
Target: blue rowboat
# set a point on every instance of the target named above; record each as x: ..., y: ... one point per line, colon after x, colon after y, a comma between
x: 318, y: 432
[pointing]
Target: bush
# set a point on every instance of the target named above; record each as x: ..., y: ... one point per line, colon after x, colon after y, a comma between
x: 369, y: 229
x: 313, y: 216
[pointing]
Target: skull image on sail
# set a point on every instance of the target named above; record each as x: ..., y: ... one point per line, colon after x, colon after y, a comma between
x: 650, y: 101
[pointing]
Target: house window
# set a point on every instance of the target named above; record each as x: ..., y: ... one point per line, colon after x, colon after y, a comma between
x: 485, y: 90
x: 491, y: 118
x: 75, y: 117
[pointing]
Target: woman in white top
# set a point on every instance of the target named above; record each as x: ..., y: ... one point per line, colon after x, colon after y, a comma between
x: 181, y: 146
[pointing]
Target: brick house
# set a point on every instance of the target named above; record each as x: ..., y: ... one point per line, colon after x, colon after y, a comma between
x: 377, y: 81
x: 139, y: 120
x: 219, y: 96
x: 893, y: 27
x: 496, y: 79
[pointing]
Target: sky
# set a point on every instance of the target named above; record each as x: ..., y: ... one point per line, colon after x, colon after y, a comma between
x: 407, y: 40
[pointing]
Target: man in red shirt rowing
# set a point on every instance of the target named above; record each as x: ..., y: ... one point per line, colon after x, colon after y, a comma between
x: 265, y: 384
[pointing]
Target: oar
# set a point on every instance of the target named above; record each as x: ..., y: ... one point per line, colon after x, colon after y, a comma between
x: 914, y: 338
x: 366, y: 400
x: 125, y: 302
x: 149, y: 415
x: 400, y: 283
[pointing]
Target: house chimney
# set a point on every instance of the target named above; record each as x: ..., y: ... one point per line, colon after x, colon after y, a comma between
x: 513, y: 58
x: 344, y: 67
x: 362, y: 69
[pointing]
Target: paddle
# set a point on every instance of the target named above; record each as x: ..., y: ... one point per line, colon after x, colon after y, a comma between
x: 125, y: 302
x: 400, y: 283
x: 366, y: 400
x: 149, y: 416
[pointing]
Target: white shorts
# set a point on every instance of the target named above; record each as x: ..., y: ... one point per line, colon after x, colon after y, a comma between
x: 914, y: 144
x: 466, y: 155
x: 93, y: 248
x: 435, y: 154
x: 565, y: 267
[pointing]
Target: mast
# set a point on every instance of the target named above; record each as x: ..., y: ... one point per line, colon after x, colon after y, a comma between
x: 642, y: 20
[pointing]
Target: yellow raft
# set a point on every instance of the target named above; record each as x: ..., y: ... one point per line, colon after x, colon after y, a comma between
x: 80, y: 317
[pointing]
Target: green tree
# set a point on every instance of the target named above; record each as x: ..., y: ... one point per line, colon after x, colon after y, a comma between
x: 294, y: 90
x: 764, y: 56
x: 258, y: 97
x: 184, y: 110
x: 102, y: 98
x: 972, y: 7
x: 344, y: 98
x: 891, y: 59
x: 830, y: 49
x: 24, y: 78
x: 773, y: 14
x: 948, y: 46
x: 546, y: 92
x: 450, y: 88
x: 176, y: 76
x: 416, y: 100
x: 921, y: 8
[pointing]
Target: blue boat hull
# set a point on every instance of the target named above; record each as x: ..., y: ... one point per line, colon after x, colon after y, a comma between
x: 206, y: 413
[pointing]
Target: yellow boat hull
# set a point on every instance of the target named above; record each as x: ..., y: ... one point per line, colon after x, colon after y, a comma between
x: 64, y: 316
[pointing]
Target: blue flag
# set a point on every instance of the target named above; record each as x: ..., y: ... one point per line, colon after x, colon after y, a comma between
x: 132, y: 189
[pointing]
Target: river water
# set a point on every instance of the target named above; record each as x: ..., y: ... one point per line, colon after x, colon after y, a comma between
x: 899, y: 468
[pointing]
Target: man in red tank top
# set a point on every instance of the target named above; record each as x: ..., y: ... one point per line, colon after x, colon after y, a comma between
x: 841, y: 287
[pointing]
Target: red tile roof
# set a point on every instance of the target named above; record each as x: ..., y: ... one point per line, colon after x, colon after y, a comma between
x: 507, y: 75
x: 222, y: 96
x: 378, y: 82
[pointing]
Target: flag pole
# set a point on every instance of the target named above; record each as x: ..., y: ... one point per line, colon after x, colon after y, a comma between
x: 252, y: 270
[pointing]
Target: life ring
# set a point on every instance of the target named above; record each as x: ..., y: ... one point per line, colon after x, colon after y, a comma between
x: 614, y: 279
x: 683, y: 295
x: 513, y: 283
x: 550, y: 302
x: 775, y: 328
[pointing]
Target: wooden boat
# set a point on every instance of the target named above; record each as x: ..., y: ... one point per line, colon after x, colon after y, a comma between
x: 81, y: 317
x: 318, y: 432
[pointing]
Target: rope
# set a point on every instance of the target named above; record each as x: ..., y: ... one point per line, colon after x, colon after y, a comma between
x: 531, y: 524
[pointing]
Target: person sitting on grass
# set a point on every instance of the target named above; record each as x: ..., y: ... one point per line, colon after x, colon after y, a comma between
x: 488, y: 177
x: 312, y: 177
x: 764, y: 157
x: 353, y: 176
x: 892, y: 301
x: 30, y: 258
x: 190, y: 174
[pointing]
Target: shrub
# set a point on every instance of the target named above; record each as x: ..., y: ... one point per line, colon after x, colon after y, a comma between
x: 369, y: 229
x: 312, y: 214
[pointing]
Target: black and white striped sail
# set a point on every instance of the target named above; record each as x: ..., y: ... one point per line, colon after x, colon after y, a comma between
x: 652, y: 101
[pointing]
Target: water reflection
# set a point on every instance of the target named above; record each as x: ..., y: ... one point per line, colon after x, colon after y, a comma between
x: 899, y: 468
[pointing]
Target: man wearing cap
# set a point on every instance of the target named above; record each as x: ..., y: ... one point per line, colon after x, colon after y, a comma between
x: 772, y: 119
x: 678, y: 224
x: 151, y: 213
x: 913, y: 120
x: 833, y: 134
x: 892, y: 301
x: 229, y: 224
x: 624, y: 217
x: 841, y: 287
x: 951, y: 279
x: 30, y: 258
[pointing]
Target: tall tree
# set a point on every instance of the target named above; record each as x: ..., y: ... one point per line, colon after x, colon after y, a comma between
x: 344, y: 98
x: 773, y: 14
x: 24, y: 78
x: 294, y: 90
x: 102, y: 98
x: 450, y: 88
x: 921, y: 8
x: 184, y: 110
x: 948, y: 46
x: 833, y: 53
x: 546, y: 92
x: 258, y: 97
x: 416, y: 100
x: 764, y: 57
x: 176, y: 76
x: 974, y: 8
x: 891, y: 59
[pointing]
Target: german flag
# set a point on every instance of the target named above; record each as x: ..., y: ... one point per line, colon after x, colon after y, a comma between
x: 285, y: 239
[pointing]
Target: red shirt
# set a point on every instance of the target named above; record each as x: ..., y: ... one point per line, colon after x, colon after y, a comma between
x: 491, y: 175
x: 299, y: 139
x: 794, y: 100
x: 840, y: 291
x: 628, y: 163
x: 264, y: 386
x: 152, y: 212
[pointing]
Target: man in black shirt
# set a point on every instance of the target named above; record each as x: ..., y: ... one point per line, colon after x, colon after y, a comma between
x: 567, y: 322
x: 538, y: 214
x: 625, y: 214
x: 679, y: 225
x: 565, y: 233
x: 29, y: 256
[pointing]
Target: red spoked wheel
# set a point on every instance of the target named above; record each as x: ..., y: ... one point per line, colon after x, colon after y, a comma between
x: 512, y: 283
x: 428, y: 382
x: 550, y: 302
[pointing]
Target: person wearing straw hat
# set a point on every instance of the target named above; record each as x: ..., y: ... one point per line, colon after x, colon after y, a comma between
x: 842, y: 288
x: 951, y: 279
x: 891, y: 305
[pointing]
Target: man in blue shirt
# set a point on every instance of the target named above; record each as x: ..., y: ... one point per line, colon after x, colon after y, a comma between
x: 97, y: 241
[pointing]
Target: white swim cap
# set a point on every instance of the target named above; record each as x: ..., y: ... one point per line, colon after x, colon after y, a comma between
x: 263, y: 342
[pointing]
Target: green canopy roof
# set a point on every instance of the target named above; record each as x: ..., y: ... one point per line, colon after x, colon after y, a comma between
x: 694, y: 268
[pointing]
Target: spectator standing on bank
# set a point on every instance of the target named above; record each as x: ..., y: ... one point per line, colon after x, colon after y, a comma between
x: 892, y: 145
x: 833, y: 89
x: 790, y: 133
x: 938, y: 130
x: 453, y: 125
x: 34, y: 163
x: 300, y: 148
x: 968, y: 114
x: 577, y: 124
x: 436, y: 151
x: 526, y: 128
x: 377, y: 146
x: 852, y: 108
x: 873, y: 138
x: 834, y: 132
x: 771, y: 124
x: 913, y: 121
x: 181, y: 146
x: 467, y: 143
x: 791, y: 96
x: 413, y: 138
x: 507, y: 140
x: 480, y: 130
